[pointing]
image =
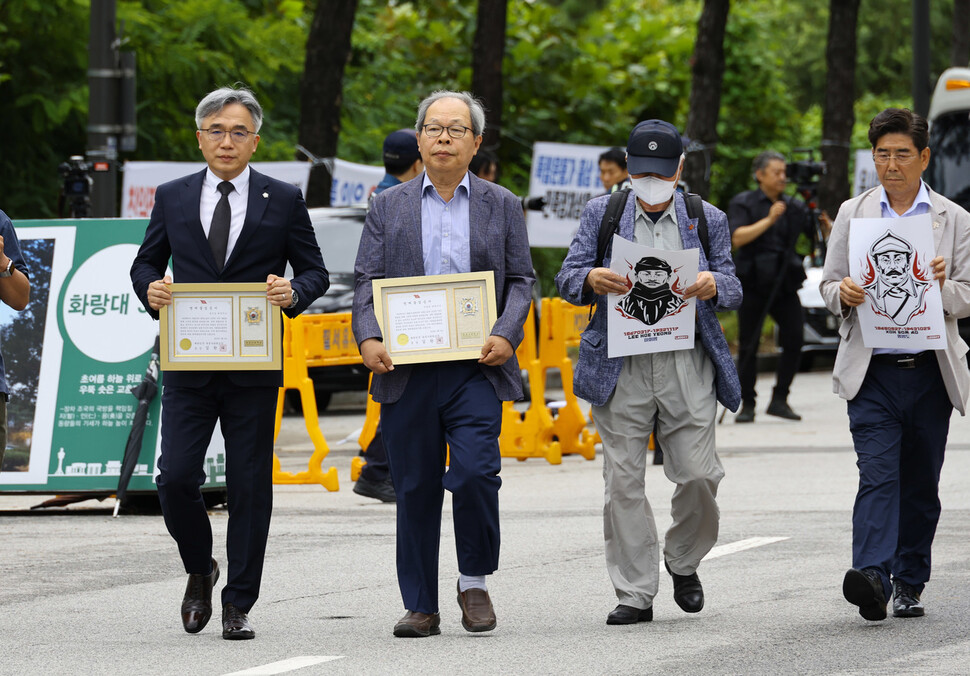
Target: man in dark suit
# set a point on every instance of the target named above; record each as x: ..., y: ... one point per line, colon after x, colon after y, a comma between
x: 445, y: 221
x: 228, y: 223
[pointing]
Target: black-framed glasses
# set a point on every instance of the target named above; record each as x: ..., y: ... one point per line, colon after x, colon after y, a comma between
x: 902, y: 157
x: 455, y: 131
x: 237, y: 135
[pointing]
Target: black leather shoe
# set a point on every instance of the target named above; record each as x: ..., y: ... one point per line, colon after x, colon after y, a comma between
x: 746, y: 414
x: 864, y: 589
x: 197, y: 602
x: 379, y: 490
x: 906, y: 601
x: 688, y: 592
x: 629, y: 615
x: 781, y: 409
x: 235, y: 624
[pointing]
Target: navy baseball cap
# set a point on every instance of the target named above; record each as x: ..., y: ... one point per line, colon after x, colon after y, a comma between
x: 401, y: 145
x: 654, y: 147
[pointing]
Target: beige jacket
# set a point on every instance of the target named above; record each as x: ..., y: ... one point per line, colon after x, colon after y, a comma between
x: 951, y: 234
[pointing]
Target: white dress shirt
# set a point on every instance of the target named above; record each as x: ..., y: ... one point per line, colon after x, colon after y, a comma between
x: 238, y: 201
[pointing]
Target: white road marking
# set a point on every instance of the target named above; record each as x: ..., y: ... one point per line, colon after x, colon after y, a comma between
x: 284, y: 666
x: 741, y: 545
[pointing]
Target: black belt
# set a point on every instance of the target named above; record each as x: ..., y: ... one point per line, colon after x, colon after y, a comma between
x: 903, y: 361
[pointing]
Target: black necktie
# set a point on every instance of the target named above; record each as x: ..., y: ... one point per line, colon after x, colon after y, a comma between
x: 219, y: 229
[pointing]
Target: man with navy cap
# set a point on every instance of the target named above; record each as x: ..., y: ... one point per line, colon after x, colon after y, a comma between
x: 678, y: 390
x: 402, y: 160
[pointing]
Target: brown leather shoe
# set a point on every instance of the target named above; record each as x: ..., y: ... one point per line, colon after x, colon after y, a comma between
x: 477, y: 613
x: 417, y: 625
x: 235, y: 624
x: 197, y: 602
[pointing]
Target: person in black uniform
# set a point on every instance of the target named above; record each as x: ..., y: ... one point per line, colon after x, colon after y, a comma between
x: 765, y: 224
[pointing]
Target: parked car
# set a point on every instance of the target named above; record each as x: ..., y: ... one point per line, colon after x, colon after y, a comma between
x: 948, y: 172
x: 338, y: 231
x: 821, y: 328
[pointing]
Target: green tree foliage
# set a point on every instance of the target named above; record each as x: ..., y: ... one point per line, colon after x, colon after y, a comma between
x: 575, y: 72
x: 184, y: 49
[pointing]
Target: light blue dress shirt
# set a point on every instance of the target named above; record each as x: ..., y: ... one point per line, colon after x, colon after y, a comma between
x: 445, y: 229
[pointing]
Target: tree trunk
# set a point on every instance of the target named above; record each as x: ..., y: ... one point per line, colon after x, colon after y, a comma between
x: 838, y: 116
x: 960, y: 49
x: 321, y: 89
x: 705, y: 95
x: 487, y: 54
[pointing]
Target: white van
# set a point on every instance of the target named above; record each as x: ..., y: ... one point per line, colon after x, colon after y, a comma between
x: 948, y: 172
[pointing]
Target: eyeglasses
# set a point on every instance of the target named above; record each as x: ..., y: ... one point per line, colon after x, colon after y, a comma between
x: 455, y: 131
x: 237, y: 135
x: 902, y: 157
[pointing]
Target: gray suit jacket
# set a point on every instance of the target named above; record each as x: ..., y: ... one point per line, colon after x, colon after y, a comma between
x: 596, y: 374
x: 390, y: 246
x: 951, y: 234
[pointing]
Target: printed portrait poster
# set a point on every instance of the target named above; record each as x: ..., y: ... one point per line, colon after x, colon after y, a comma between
x: 890, y: 259
x: 653, y: 315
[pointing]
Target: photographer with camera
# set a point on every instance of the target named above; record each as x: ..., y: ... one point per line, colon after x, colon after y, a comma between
x: 765, y: 225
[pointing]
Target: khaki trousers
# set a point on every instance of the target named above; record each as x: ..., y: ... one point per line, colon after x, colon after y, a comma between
x: 677, y: 389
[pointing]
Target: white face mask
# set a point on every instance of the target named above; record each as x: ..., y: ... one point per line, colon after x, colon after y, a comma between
x: 653, y: 190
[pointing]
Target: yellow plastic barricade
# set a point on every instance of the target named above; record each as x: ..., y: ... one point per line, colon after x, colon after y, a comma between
x: 303, y: 341
x: 530, y: 434
x: 367, y: 434
x: 561, y: 325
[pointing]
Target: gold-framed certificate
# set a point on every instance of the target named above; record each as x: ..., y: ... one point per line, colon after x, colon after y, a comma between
x: 220, y: 327
x: 436, y: 317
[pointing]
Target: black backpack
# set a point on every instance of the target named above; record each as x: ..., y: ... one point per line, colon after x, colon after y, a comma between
x: 611, y: 222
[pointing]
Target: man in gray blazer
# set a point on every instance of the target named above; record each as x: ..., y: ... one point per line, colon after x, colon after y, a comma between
x: 445, y: 221
x: 678, y: 389
x: 899, y: 403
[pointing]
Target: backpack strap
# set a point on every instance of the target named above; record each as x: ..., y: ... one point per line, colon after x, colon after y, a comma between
x: 695, y: 209
x: 610, y: 223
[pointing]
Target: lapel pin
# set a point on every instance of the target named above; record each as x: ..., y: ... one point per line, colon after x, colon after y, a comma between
x: 265, y: 195
x: 936, y: 225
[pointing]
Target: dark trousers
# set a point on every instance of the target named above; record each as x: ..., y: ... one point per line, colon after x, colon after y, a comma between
x: 787, y: 312
x: 376, y: 469
x: 448, y: 403
x: 899, y: 422
x: 247, y: 417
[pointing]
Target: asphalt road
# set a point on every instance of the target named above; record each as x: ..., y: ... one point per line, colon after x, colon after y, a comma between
x: 82, y: 593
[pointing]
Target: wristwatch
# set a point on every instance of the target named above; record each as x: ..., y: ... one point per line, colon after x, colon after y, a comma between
x: 9, y: 270
x: 295, y: 296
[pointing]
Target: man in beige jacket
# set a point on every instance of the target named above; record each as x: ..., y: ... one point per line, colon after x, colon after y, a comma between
x: 899, y: 404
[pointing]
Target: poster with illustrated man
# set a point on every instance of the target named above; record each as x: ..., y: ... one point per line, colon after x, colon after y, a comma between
x: 652, y: 316
x: 890, y: 259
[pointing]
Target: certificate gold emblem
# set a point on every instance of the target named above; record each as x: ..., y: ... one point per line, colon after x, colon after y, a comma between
x: 254, y: 315
x: 402, y: 339
x: 185, y: 344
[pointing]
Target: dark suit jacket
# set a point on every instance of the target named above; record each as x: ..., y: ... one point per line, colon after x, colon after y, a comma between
x: 277, y: 229
x: 390, y: 246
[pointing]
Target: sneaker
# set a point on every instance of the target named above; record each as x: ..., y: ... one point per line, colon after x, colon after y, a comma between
x: 864, y: 589
x: 746, y: 414
x: 782, y: 410
x: 379, y: 490
x: 906, y: 601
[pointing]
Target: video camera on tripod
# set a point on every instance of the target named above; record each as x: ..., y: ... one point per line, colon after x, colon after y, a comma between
x: 76, y: 185
x: 805, y: 174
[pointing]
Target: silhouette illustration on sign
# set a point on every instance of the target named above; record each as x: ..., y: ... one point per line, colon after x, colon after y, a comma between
x: 655, y: 293
x: 894, y: 281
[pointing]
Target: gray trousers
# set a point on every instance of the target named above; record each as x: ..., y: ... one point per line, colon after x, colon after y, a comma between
x: 677, y: 389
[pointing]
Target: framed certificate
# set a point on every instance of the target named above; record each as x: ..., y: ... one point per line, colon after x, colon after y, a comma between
x: 437, y: 317
x: 220, y: 327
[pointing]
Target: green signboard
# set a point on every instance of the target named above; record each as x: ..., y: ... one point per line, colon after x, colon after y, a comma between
x: 72, y: 359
